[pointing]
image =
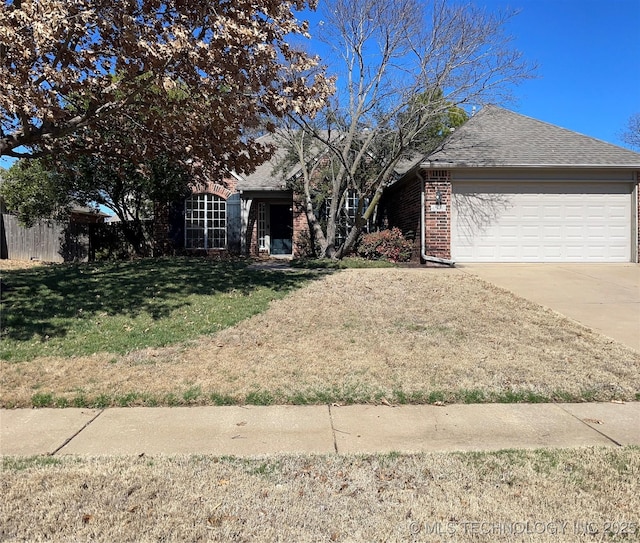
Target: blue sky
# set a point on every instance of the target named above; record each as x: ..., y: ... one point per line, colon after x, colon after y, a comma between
x: 588, y: 52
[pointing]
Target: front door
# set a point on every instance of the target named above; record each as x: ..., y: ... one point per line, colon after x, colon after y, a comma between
x: 281, y: 218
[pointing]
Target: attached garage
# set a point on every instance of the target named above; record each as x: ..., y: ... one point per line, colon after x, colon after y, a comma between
x: 508, y: 188
x: 560, y: 217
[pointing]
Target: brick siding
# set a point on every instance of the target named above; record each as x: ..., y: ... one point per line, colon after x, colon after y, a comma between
x: 163, y: 244
x: 301, y: 235
x: 438, y: 223
x: 400, y: 207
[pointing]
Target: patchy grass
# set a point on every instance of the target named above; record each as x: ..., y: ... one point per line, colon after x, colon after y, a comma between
x: 351, y: 262
x: 79, y: 310
x: 566, y: 495
x: 356, y: 336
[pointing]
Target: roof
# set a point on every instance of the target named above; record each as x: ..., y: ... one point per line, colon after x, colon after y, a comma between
x: 263, y: 177
x: 86, y: 210
x: 497, y: 137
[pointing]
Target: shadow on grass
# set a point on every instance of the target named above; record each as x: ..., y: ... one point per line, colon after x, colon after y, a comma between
x: 44, y: 301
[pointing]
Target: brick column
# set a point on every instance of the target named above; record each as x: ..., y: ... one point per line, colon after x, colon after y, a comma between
x: 438, y: 217
x: 301, y: 235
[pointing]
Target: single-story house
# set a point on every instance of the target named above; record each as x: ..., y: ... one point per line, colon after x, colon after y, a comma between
x: 502, y: 188
x: 508, y: 188
x: 255, y: 214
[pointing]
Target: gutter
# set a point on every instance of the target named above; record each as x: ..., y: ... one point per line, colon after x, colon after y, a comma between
x: 423, y: 248
x: 448, y: 165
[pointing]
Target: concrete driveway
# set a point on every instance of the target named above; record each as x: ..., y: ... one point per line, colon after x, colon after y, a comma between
x: 604, y: 297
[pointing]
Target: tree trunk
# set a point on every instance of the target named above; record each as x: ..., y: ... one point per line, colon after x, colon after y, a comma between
x: 134, y: 233
x: 356, y: 230
x: 316, y: 229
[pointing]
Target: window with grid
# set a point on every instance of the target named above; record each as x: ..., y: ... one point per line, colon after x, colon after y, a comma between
x: 347, y: 215
x: 262, y: 225
x: 205, y: 219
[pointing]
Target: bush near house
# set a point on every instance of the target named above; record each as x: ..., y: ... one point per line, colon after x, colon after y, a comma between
x: 385, y: 245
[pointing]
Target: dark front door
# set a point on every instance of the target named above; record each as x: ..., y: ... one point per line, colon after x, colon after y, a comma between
x: 281, y: 229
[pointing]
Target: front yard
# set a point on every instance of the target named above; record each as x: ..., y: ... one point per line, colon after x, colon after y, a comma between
x: 507, y: 496
x: 194, y: 331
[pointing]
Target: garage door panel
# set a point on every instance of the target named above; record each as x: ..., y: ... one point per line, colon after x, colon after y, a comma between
x: 529, y: 212
x: 552, y: 231
x: 537, y: 222
x: 552, y: 212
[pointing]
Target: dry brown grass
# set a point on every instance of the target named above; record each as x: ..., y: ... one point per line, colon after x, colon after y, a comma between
x: 358, y: 335
x: 19, y: 264
x: 559, y: 495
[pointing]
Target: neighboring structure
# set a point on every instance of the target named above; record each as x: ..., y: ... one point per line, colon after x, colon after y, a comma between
x: 502, y: 188
x: 508, y: 188
x: 49, y: 240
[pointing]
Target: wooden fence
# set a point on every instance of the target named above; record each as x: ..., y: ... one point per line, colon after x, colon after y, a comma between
x: 48, y: 241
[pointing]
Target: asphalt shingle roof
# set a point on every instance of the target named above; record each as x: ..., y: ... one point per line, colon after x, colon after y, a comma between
x: 263, y: 178
x: 498, y: 137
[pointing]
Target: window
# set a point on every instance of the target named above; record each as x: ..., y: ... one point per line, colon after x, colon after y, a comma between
x: 205, y: 222
x: 262, y: 225
x: 346, y: 216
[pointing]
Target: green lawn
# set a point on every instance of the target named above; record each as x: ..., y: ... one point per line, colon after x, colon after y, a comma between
x: 168, y: 332
x: 117, y: 307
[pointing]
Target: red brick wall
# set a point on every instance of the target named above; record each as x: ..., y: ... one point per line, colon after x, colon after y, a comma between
x: 161, y: 224
x: 300, y: 228
x: 401, y: 208
x: 438, y: 223
x: 224, y: 190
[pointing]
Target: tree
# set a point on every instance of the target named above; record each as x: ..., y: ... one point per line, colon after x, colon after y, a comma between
x: 66, y: 67
x: 406, y: 70
x: 631, y: 135
x: 35, y: 190
x: 31, y: 190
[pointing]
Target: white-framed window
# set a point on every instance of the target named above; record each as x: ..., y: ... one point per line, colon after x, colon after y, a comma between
x: 262, y: 225
x: 347, y: 215
x: 205, y: 222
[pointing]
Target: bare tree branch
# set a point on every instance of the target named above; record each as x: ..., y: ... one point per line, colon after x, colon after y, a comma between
x: 404, y: 70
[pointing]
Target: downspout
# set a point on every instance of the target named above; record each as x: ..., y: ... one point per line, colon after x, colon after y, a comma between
x: 423, y: 248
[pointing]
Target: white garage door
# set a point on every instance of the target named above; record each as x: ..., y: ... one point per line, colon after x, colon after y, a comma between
x: 541, y: 222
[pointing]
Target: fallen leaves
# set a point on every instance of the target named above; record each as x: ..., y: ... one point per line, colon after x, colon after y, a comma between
x: 593, y: 421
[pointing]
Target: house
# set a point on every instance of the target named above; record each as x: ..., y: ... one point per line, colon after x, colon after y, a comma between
x: 255, y: 214
x: 508, y: 188
x: 502, y: 188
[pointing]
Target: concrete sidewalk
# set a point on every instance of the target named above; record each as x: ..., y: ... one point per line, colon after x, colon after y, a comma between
x: 252, y: 430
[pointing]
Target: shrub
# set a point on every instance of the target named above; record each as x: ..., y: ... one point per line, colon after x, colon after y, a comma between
x: 385, y: 245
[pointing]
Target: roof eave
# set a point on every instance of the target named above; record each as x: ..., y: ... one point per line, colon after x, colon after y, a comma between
x: 445, y: 165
